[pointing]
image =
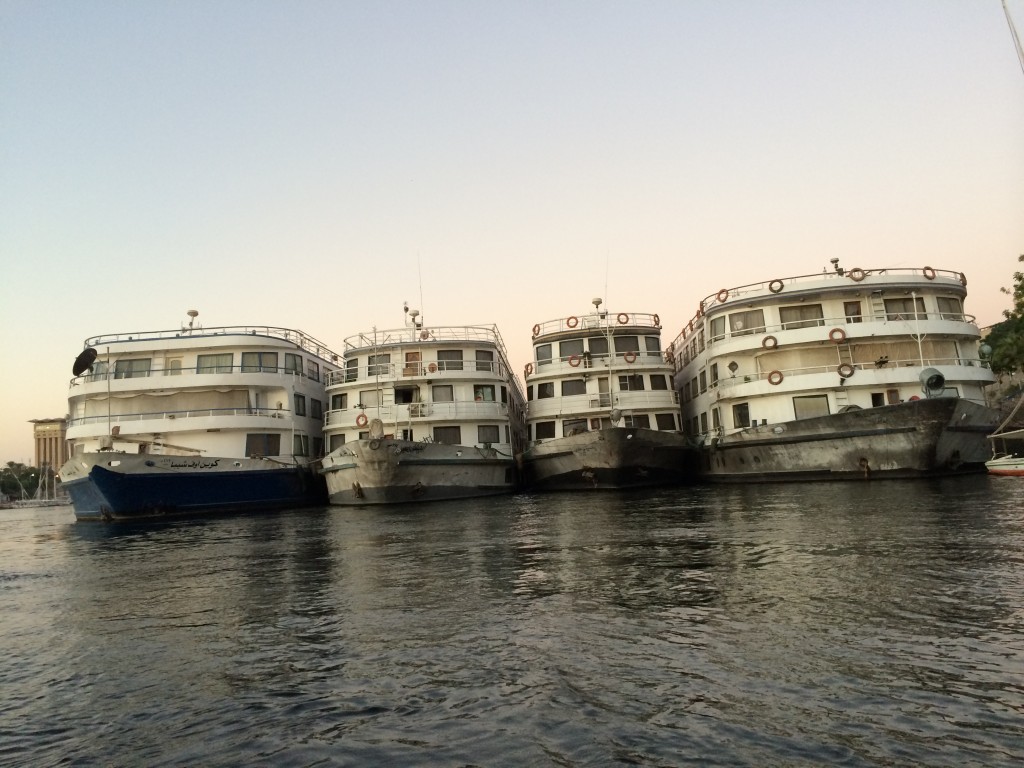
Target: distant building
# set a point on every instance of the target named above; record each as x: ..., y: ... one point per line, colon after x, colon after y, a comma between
x: 51, y: 444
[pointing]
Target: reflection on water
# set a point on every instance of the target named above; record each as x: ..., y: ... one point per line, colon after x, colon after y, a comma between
x: 866, y: 624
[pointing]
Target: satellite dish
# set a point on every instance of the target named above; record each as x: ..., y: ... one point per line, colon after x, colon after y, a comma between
x: 84, y: 361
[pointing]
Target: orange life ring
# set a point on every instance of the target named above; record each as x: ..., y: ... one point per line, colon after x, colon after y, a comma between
x: 837, y: 335
x: 856, y: 274
x: 657, y: 320
x: 769, y: 342
x: 536, y: 330
x: 700, y: 309
x: 623, y: 318
x: 845, y: 370
x: 912, y: 398
x: 574, y: 361
x: 775, y: 286
x: 529, y: 368
x: 572, y: 322
x: 723, y: 295
x: 629, y: 357
x: 691, y: 325
x: 432, y: 367
x: 929, y: 273
x: 775, y: 377
x: 361, y: 420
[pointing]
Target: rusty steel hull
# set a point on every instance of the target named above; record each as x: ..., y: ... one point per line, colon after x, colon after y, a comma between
x: 940, y: 436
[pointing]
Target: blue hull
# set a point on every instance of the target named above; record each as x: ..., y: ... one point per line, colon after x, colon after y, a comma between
x: 104, y: 494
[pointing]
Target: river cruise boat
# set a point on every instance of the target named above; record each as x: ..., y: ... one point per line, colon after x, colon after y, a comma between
x: 601, y: 409
x: 196, y: 420
x: 846, y: 374
x: 423, y: 413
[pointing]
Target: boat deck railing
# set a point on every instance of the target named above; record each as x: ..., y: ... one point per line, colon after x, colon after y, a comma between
x: 185, y: 414
x: 367, y: 341
x: 389, y: 371
x: 405, y: 413
x: 887, y: 370
x: 604, y: 322
x: 268, y: 370
x: 302, y: 340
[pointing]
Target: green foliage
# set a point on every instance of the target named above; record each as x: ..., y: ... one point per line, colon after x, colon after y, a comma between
x: 17, y: 480
x: 1007, y: 337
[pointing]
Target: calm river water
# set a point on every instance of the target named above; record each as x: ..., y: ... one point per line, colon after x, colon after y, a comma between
x: 810, y: 624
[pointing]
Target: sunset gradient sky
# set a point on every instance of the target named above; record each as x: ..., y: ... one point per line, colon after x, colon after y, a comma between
x: 314, y: 164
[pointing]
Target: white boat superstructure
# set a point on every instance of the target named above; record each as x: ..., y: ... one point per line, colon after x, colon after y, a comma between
x: 850, y: 372
x: 601, y: 409
x: 217, y: 408
x: 422, y: 413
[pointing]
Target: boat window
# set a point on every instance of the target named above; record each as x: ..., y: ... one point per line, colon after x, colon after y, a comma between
x: 640, y: 420
x: 596, y: 424
x: 529, y: 392
x: 693, y: 387
x: 488, y: 433
x: 567, y: 349
x: 718, y: 328
x: 448, y: 435
x: 700, y: 340
x: 801, y: 316
x: 300, y: 445
x: 483, y: 393
x: 658, y: 381
x: 809, y: 406
x: 337, y: 441
x: 631, y: 383
x: 504, y: 394
x: 598, y: 346
x: 704, y: 422
x: 686, y: 393
x: 545, y: 430
x: 543, y: 353
x: 574, y: 427
x: 574, y: 387
x: 741, y: 415
x: 172, y: 367
x: 442, y: 393
x: 378, y: 365
x: 904, y: 309
x: 255, y: 362
x: 852, y: 311
x: 318, y: 447
x: 369, y: 398
x: 877, y: 399
x: 316, y: 408
x: 449, y: 359
x: 653, y: 344
x: 300, y: 404
x: 484, y: 360
x: 219, y: 363
x: 950, y: 308
x: 545, y: 389
x: 627, y: 344
x: 131, y: 369
x: 262, y: 444
x: 666, y: 421
x: 313, y: 370
x: 351, y: 369
x: 406, y: 395
x: 716, y: 419
x: 292, y: 363
x: 703, y: 382
x: 714, y: 374
x: 339, y: 402
x: 743, y: 323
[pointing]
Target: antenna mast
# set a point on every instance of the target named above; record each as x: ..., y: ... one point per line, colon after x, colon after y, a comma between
x: 1013, y: 32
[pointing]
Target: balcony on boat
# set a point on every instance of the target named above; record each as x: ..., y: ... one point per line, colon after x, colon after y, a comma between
x: 186, y: 420
x: 412, y: 370
x: 619, y: 363
x: 143, y: 379
x: 402, y: 413
x: 597, y: 403
x: 601, y: 323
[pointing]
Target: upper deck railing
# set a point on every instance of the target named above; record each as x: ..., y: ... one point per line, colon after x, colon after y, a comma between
x: 598, y: 321
x: 408, y: 335
x: 301, y: 340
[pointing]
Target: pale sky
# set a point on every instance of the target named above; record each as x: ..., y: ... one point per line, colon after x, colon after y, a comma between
x: 314, y: 164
